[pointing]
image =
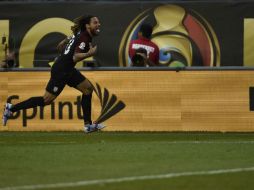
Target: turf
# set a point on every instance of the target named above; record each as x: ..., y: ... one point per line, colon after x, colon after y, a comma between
x: 32, y: 158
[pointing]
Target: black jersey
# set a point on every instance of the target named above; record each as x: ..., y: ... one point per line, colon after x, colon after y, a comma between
x: 77, y: 43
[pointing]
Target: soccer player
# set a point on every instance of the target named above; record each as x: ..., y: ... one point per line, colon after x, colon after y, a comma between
x: 73, y: 49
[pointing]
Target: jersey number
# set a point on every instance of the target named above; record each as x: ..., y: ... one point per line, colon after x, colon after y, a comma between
x: 68, y: 46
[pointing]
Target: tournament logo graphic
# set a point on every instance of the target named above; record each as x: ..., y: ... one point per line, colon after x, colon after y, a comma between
x: 183, y: 36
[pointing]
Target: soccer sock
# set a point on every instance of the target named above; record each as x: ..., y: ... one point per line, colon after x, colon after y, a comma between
x: 86, y: 104
x: 29, y: 103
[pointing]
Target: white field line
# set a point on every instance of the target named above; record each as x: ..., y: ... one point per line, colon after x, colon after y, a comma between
x: 162, y: 142
x: 127, y: 179
x: 208, y: 142
x: 40, y: 142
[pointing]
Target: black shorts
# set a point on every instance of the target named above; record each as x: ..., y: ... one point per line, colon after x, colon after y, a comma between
x: 59, y: 79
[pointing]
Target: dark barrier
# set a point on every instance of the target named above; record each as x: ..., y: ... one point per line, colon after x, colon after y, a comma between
x: 216, y: 33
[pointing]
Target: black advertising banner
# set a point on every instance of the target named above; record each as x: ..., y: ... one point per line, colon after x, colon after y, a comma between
x: 199, y: 33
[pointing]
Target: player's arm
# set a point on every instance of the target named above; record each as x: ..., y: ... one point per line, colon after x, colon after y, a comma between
x: 80, y: 56
x: 62, y: 44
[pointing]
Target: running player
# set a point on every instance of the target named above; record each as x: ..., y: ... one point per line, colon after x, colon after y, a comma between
x: 73, y: 49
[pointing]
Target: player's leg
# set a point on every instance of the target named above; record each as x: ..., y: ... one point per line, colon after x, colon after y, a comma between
x: 82, y: 84
x: 49, y: 96
x: 32, y: 102
x: 86, y: 103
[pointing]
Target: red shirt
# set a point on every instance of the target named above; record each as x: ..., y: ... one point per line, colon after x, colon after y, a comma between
x: 151, y: 48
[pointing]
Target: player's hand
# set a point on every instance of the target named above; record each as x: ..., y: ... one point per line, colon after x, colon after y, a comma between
x: 93, y: 49
x: 62, y: 45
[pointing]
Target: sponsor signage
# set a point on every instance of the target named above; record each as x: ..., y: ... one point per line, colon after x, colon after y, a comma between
x: 138, y: 101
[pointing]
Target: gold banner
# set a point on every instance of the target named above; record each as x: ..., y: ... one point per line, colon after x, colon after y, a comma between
x: 155, y: 101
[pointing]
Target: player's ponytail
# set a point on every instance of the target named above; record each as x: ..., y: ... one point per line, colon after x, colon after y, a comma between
x: 75, y: 28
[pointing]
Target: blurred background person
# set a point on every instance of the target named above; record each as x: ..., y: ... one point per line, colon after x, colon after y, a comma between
x: 140, y: 59
x: 7, y: 54
x: 144, y: 42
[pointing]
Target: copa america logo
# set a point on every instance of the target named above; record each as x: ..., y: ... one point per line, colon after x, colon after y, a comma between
x: 183, y: 36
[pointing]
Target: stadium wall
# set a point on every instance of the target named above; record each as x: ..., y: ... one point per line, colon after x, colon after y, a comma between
x: 205, y: 33
x: 156, y: 100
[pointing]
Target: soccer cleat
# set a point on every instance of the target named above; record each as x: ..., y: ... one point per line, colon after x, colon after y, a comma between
x: 7, y: 113
x: 89, y: 128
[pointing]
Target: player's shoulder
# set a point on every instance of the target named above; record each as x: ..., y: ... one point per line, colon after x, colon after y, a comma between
x: 85, y: 36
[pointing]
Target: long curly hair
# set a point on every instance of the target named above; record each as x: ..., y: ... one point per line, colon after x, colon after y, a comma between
x: 80, y: 23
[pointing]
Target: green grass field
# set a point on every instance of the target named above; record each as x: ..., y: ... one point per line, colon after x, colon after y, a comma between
x: 126, y: 161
